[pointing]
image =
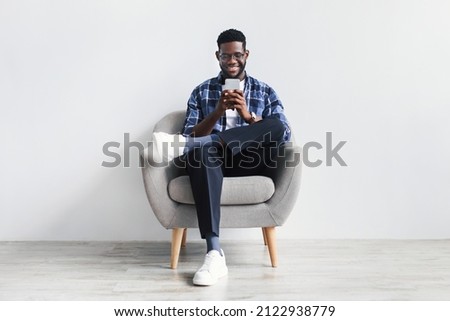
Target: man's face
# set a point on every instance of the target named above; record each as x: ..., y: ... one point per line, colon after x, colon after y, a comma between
x: 232, y: 59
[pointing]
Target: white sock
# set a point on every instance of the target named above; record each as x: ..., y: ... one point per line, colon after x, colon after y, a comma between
x: 168, y: 146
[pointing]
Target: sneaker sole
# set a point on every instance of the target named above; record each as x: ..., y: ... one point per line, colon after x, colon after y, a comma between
x: 210, y: 282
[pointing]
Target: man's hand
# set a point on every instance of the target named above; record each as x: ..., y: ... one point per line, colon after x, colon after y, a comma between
x: 234, y: 99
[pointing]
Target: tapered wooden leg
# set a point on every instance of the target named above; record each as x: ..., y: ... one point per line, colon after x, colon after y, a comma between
x: 264, y: 236
x: 272, y: 245
x: 183, y: 241
x: 177, y: 237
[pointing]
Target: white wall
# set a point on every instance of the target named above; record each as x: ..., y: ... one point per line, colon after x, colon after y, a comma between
x: 77, y: 74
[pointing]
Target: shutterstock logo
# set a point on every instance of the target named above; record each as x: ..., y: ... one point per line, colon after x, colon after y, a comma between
x: 330, y: 152
x: 111, y: 149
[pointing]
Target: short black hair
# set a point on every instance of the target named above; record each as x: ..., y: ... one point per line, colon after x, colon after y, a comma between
x: 231, y: 35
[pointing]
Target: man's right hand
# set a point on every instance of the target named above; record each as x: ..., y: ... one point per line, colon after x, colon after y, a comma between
x: 229, y: 99
x: 224, y: 102
x: 206, y: 126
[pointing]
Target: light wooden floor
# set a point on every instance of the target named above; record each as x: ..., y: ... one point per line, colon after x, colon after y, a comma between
x: 308, y: 270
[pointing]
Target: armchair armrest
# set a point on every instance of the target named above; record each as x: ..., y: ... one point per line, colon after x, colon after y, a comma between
x: 286, y: 177
x: 156, y: 180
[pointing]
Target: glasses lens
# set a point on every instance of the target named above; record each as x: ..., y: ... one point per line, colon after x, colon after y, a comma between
x: 226, y: 57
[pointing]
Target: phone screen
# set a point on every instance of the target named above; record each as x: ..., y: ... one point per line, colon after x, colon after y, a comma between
x: 231, y: 84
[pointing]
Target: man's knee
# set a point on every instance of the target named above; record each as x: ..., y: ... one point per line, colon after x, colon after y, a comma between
x: 276, y: 128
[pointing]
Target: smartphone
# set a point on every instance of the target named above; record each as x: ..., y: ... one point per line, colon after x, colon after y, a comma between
x: 231, y: 84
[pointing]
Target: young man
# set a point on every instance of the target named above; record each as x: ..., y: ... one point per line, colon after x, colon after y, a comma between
x: 226, y: 133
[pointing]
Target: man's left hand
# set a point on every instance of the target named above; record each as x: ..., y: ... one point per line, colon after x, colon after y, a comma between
x: 236, y: 100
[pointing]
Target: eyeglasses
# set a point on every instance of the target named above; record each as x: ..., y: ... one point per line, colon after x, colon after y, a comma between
x: 227, y: 57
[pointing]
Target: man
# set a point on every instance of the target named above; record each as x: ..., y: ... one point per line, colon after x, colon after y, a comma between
x: 226, y: 133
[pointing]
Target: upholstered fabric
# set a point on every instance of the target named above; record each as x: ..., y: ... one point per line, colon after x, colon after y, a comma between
x: 235, y: 190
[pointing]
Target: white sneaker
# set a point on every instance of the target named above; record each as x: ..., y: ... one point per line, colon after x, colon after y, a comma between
x: 213, y: 268
x: 168, y: 146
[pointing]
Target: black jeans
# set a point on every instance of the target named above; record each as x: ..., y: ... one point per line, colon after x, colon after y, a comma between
x: 243, y: 151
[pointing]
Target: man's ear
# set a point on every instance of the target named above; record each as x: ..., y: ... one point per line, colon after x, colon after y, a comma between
x: 247, y: 53
x: 217, y: 55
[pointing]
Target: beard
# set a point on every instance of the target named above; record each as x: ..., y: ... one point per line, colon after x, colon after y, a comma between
x: 225, y: 73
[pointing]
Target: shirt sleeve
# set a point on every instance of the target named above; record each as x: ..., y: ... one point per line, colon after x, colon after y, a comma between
x: 193, y: 113
x: 274, y: 107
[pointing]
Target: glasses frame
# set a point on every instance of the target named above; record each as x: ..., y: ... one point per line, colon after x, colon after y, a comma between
x: 227, y: 57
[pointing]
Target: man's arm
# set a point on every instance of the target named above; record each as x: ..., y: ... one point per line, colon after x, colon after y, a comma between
x: 274, y: 107
x: 204, y: 126
x: 194, y: 113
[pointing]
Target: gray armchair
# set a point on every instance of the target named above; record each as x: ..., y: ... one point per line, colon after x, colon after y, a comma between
x: 252, y: 201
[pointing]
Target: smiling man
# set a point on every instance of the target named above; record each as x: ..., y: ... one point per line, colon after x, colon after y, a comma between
x: 228, y: 133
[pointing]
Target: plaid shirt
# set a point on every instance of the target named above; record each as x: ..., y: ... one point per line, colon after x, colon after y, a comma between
x: 260, y: 99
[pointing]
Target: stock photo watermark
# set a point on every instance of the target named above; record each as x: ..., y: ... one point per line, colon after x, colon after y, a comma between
x: 253, y: 154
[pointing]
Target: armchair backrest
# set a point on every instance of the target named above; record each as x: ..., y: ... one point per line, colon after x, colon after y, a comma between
x: 172, y: 123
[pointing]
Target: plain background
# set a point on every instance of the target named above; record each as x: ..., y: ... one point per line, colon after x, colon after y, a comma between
x: 75, y: 75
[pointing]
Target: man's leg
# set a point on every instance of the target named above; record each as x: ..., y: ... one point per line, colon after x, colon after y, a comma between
x: 267, y: 132
x: 254, y: 157
x: 205, y: 168
x: 205, y: 165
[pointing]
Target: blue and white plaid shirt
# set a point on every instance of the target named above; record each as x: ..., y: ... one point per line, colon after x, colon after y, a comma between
x: 260, y: 98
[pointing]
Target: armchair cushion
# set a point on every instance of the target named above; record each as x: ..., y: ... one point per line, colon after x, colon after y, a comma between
x: 244, y: 190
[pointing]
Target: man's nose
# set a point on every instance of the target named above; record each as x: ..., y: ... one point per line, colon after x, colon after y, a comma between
x: 232, y: 60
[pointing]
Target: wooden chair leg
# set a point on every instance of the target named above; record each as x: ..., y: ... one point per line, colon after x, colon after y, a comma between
x: 183, y: 241
x: 264, y: 236
x: 272, y: 245
x: 177, y: 237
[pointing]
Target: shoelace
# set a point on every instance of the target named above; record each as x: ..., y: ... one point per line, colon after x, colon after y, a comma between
x: 207, y: 263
